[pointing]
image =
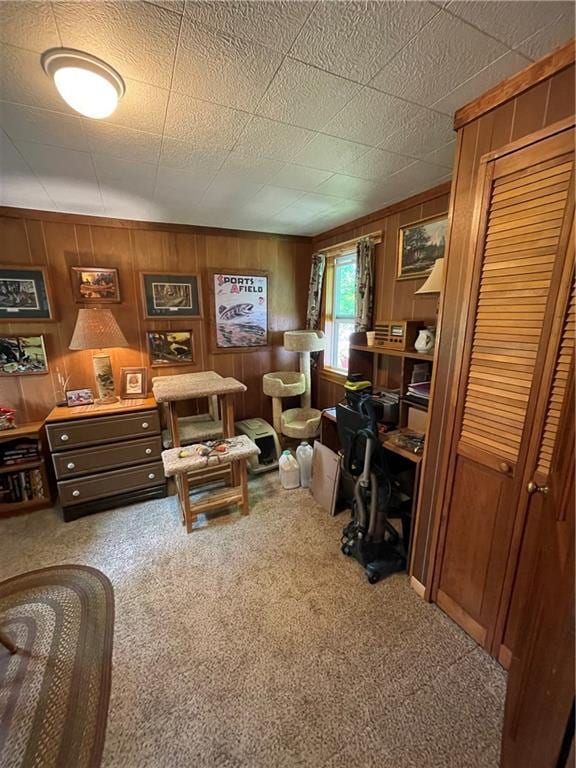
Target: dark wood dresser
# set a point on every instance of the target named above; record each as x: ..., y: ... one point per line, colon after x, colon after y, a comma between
x: 106, y: 455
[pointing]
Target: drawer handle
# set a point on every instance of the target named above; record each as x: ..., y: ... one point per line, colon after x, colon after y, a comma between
x: 148, y: 451
x: 145, y: 425
x: 64, y: 438
x: 76, y: 492
x: 70, y: 465
x: 151, y: 476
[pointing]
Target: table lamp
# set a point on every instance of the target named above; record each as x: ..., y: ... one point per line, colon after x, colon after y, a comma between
x: 98, y: 329
x: 435, y: 279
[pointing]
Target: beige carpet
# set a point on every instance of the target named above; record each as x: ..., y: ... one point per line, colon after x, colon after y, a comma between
x: 255, y: 643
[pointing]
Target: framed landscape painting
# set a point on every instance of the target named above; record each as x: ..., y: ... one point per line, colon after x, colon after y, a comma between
x: 24, y: 294
x: 171, y: 295
x: 22, y: 355
x: 96, y: 285
x: 419, y: 245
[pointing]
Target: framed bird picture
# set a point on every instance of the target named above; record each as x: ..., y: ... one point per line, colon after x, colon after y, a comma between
x: 240, y: 310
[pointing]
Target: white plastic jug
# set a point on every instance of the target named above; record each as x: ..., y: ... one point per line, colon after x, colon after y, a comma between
x: 289, y: 471
x: 304, y: 457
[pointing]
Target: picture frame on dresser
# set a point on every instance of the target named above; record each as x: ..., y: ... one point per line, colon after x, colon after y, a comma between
x: 133, y: 383
x: 24, y: 293
x: 169, y: 294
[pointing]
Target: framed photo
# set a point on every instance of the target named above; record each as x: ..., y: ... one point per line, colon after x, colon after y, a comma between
x: 79, y: 397
x: 240, y: 309
x: 134, y: 383
x: 24, y: 294
x: 419, y: 245
x: 22, y: 355
x: 170, y: 347
x: 96, y: 285
x: 169, y: 295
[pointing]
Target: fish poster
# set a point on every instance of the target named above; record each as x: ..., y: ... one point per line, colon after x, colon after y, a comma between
x: 241, y: 307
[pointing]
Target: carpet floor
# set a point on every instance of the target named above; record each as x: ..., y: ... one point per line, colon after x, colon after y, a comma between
x: 253, y: 643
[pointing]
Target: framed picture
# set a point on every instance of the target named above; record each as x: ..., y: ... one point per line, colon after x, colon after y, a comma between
x: 96, y: 285
x: 419, y: 245
x: 22, y: 355
x: 170, y: 347
x: 79, y: 397
x: 240, y: 309
x: 169, y: 295
x: 134, y: 383
x: 24, y: 294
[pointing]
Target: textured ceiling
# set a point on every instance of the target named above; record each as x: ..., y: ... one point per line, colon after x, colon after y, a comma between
x: 288, y: 117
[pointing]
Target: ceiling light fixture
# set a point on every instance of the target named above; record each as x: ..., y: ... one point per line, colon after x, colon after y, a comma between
x: 87, y: 84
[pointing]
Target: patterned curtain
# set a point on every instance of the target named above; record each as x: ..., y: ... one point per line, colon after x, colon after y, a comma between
x: 364, y: 284
x: 315, y: 291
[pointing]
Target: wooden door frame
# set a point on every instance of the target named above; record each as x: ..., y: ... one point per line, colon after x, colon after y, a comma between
x: 446, y: 464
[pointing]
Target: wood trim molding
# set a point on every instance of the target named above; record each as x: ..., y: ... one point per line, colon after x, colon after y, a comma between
x: 532, y: 138
x: 516, y: 84
x: 333, y: 376
x: 103, y: 221
x: 402, y: 205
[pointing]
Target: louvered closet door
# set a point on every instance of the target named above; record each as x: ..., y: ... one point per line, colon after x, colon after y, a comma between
x: 527, y: 206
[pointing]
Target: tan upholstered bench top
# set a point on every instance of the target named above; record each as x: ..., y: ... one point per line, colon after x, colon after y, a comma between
x: 187, y: 386
x: 239, y: 447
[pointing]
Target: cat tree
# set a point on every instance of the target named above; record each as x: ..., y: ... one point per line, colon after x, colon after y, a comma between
x: 304, y: 422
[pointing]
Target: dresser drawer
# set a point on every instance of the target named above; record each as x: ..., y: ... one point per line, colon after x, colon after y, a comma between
x: 102, y: 429
x: 110, y: 483
x: 85, y: 461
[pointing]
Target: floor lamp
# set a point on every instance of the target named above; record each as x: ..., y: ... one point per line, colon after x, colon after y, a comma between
x: 98, y: 329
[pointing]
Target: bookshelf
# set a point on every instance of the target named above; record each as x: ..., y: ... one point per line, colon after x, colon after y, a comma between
x: 23, y: 478
x: 391, y: 368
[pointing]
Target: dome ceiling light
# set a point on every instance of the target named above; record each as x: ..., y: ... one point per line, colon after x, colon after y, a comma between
x: 86, y: 83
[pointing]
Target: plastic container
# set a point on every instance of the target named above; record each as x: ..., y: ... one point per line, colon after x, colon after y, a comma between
x: 304, y: 458
x: 289, y: 471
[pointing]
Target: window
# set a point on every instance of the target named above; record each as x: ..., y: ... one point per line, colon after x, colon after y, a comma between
x: 340, y: 312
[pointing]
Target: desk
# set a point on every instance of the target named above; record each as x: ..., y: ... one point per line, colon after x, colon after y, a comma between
x: 407, y: 474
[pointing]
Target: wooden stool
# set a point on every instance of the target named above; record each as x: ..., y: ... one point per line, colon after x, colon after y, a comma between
x: 239, y: 449
x: 188, y: 386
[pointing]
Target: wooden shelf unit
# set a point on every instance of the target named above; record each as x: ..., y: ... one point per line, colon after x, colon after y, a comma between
x: 365, y: 359
x: 25, y: 431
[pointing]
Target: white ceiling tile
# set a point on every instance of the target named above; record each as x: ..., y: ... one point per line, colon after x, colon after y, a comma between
x: 142, y: 107
x: 266, y: 22
x: 222, y: 69
x: 355, y: 39
x: 427, y: 132
x: 507, y: 20
x: 180, y: 185
x: 229, y: 192
x: 313, y: 204
x: 137, y: 39
x: 446, y: 53
x: 270, y: 200
x: 444, y: 156
x: 417, y: 177
x: 117, y: 141
x: 249, y: 168
x: 370, y: 117
x: 328, y: 153
x: 305, y: 96
x: 300, y: 177
x: 130, y: 205
x: 18, y: 186
x: 23, y: 81
x: 29, y: 124
x: 207, y: 126
x: 375, y: 164
x: 28, y: 25
x: 115, y: 176
x: 491, y: 75
x: 550, y: 37
x: 350, y: 187
x: 268, y: 138
x: 181, y: 154
x: 176, y: 6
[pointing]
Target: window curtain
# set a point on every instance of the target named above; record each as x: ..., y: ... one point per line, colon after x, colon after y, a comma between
x: 364, y: 284
x: 315, y: 291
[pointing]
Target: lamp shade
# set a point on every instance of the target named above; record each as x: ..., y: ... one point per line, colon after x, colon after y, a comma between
x: 97, y: 329
x: 435, y: 279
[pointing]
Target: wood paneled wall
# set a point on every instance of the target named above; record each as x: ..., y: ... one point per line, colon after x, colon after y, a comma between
x: 544, y: 104
x: 60, y: 241
x: 393, y: 299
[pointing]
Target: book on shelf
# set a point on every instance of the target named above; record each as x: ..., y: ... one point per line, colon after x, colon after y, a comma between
x: 419, y: 392
x: 20, y: 486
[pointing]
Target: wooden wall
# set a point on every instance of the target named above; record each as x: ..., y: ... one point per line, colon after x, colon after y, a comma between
x: 60, y: 241
x: 393, y: 299
x: 547, y: 102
